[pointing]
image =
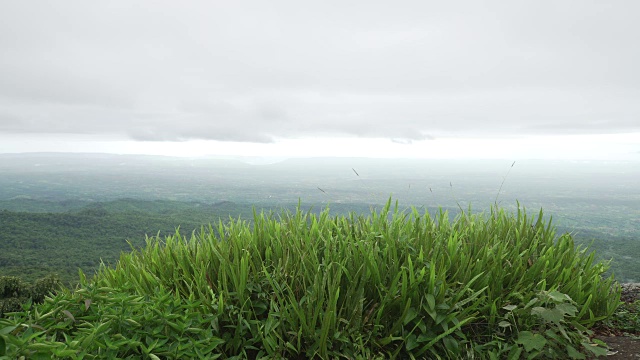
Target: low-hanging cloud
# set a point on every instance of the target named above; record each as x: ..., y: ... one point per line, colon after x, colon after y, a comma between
x: 260, y: 71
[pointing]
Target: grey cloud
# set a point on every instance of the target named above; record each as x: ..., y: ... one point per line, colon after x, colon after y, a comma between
x: 259, y: 71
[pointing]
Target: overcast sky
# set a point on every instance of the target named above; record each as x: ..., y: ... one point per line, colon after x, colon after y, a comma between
x: 321, y: 77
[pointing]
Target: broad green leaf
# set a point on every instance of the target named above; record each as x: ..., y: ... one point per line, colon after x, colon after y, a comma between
x: 411, y: 314
x: 531, y: 341
x: 554, y: 315
x: 567, y: 309
x: 8, y: 329
x: 595, y: 349
x: 559, y: 297
x: 411, y: 342
x: 431, y: 301
x: 573, y: 353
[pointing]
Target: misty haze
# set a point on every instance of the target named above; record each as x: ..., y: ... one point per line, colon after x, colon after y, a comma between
x: 594, y: 200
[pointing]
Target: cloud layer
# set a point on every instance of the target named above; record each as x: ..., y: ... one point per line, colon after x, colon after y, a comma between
x: 259, y: 71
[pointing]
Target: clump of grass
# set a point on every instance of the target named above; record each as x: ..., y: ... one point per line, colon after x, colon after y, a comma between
x: 625, y: 320
x: 300, y: 285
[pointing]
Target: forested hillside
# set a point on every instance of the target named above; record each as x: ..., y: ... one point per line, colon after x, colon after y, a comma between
x: 36, y: 244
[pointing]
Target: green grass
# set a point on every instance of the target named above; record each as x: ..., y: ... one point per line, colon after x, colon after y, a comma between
x: 393, y: 284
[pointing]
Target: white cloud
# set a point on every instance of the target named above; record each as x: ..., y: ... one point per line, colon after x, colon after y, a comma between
x: 267, y: 71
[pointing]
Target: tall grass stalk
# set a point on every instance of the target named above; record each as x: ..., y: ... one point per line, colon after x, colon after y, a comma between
x: 303, y: 285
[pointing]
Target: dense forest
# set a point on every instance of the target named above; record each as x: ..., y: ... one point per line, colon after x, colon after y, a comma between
x: 36, y: 244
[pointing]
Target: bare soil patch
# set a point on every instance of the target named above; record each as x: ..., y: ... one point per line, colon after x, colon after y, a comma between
x: 621, y: 347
